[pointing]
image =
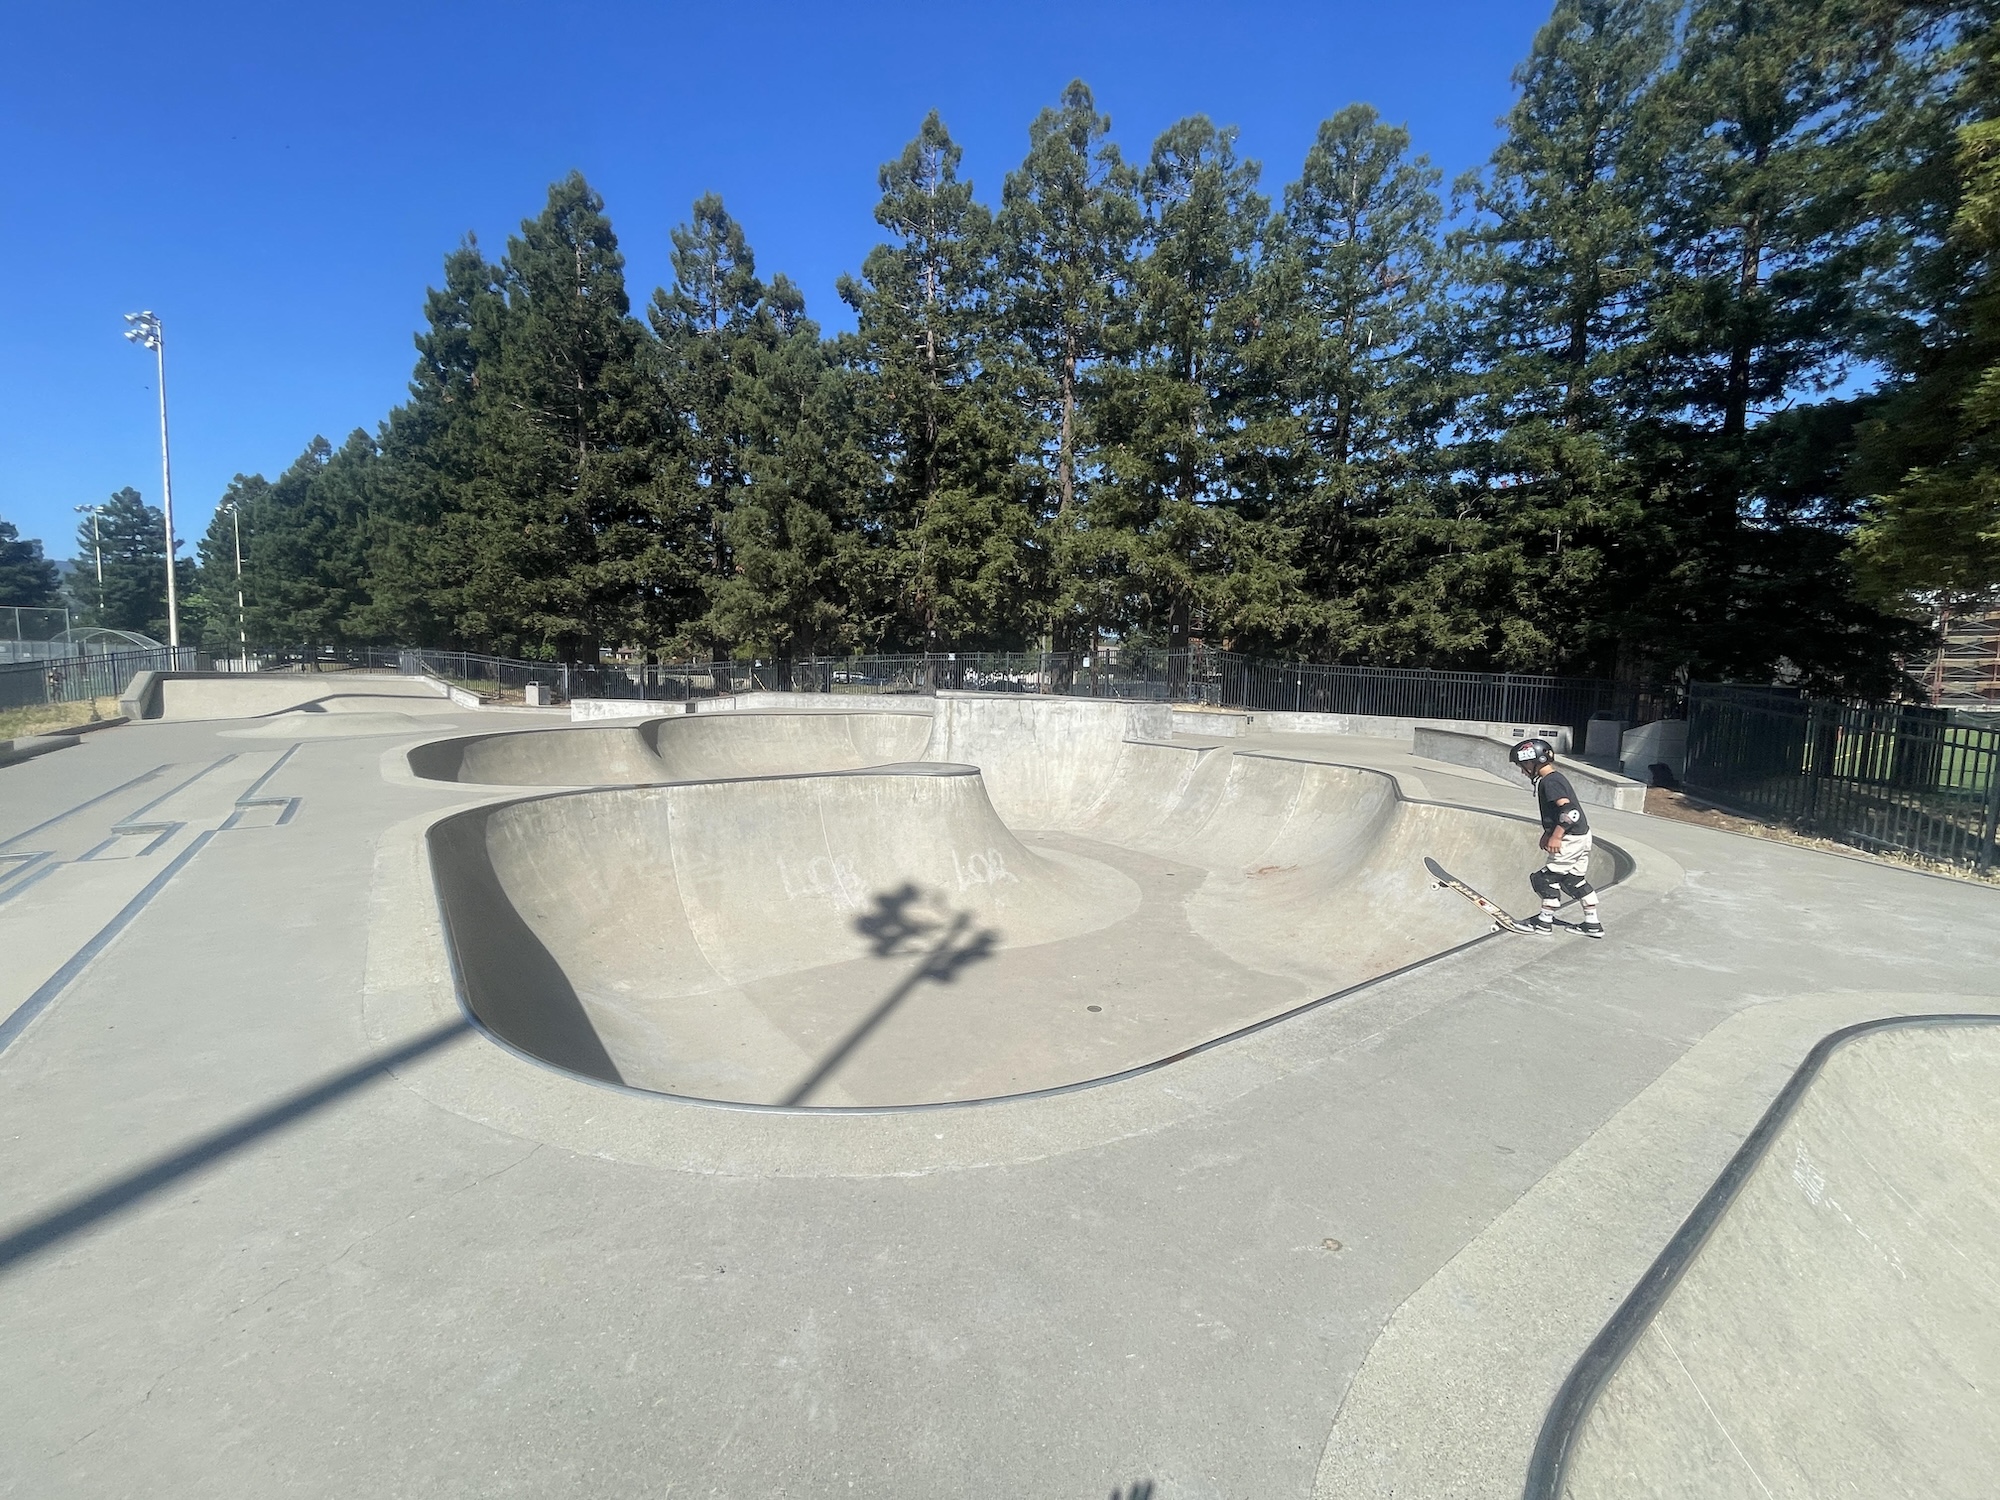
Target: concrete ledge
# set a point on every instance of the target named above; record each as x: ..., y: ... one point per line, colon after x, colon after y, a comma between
x: 141, y: 698
x: 144, y: 697
x: 1664, y: 741
x: 1219, y: 723
x: 587, y: 710
x: 458, y: 695
x: 28, y: 746
x: 1382, y: 726
x: 1485, y: 753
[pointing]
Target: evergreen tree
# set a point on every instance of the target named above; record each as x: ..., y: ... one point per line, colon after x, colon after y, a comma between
x: 213, y: 619
x: 437, y: 485
x: 947, y: 507
x: 1068, y: 230
x: 1929, y: 456
x: 793, y: 531
x: 306, y: 569
x: 562, y: 530
x: 1177, y: 524
x: 27, y: 579
x: 133, y: 539
x: 1353, y: 300
x: 1769, y: 120
x: 711, y: 327
x: 1506, y: 567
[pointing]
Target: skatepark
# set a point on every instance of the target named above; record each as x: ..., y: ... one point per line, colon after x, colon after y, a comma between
x: 994, y: 1093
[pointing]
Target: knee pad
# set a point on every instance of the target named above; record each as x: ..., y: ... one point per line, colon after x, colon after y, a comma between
x: 1544, y: 883
x: 1576, y: 887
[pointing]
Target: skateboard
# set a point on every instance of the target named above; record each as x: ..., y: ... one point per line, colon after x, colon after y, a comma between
x: 1443, y: 879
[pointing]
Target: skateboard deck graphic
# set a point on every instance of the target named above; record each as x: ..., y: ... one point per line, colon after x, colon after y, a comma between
x: 1443, y: 879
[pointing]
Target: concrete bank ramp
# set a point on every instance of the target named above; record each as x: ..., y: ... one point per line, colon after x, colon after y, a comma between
x: 1837, y: 1332
x: 690, y: 747
x: 1048, y: 762
x: 250, y: 695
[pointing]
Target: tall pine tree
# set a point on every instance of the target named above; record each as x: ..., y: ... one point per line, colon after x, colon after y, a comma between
x: 1929, y: 452
x: 27, y: 579
x: 797, y: 582
x: 1068, y: 231
x: 439, y: 484
x: 947, y: 504
x: 1507, y: 566
x: 132, y: 537
x: 1176, y: 526
x: 1353, y: 299
x: 1769, y: 123
x: 558, y: 562
x: 711, y: 327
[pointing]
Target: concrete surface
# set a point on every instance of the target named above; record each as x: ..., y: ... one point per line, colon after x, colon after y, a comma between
x: 1450, y: 1398
x: 28, y: 746
x: 682, y: 748
x: 1378, y: 726
x: 584, y: 710
x: 1837, y: 1331
x: 232, y: 695
x: 277, y: 1222
x: 1211, y: 890
x: 1594, y: 784
x: 1663, y: 741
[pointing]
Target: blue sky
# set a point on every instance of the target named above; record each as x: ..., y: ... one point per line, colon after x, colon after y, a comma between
x: 281, y: 182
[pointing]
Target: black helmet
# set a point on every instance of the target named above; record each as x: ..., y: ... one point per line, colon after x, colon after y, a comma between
x: 1531, y: 755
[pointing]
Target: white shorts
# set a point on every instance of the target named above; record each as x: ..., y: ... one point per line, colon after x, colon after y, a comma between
x: 1573, y: 858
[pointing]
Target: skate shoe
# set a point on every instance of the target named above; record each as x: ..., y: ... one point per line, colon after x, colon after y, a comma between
x: 1591, y: 928
x: 1541, y: 921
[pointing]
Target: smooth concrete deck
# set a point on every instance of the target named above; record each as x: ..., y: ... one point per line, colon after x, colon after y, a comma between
x: 276, y: 1221
x: 1837, y: 1333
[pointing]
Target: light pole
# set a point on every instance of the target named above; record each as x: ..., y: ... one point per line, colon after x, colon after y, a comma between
x: 97, y: 547
x: 236, y: 530
x: 145, y: 331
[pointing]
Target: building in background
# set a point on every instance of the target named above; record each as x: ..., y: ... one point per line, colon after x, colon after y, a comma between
x: 1965, y: 673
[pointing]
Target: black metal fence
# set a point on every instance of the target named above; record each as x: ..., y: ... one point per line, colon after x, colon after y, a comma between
x: 1215, y: 678
x: 1920, y: 781
x: 1399, y: 692
x: 1157, y: 675
x: 72, y: 679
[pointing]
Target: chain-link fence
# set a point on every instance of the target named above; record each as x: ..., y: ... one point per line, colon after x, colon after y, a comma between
x: 1922, y: 781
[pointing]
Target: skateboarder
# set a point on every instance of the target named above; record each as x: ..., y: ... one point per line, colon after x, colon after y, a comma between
x: 1565, y: 839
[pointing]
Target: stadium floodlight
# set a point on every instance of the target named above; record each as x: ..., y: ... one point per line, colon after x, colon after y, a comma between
x: 145, y: 330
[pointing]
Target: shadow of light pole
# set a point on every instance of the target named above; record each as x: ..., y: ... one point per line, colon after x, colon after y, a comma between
x: 80, y: 1213
x: 895, y: 927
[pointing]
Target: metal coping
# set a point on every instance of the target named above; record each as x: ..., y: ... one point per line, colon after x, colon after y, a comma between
x: 1623, y: 866
x: 1548, y: 1468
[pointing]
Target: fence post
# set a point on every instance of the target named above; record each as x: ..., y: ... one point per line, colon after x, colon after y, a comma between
x: 1987, y: 851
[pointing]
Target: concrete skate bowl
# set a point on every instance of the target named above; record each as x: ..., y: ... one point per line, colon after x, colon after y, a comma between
x: 694, y: 747
x: 1824, y: 1323
x: 1060, y: 903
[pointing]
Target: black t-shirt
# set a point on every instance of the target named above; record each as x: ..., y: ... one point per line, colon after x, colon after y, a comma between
x: 1559, y: 805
